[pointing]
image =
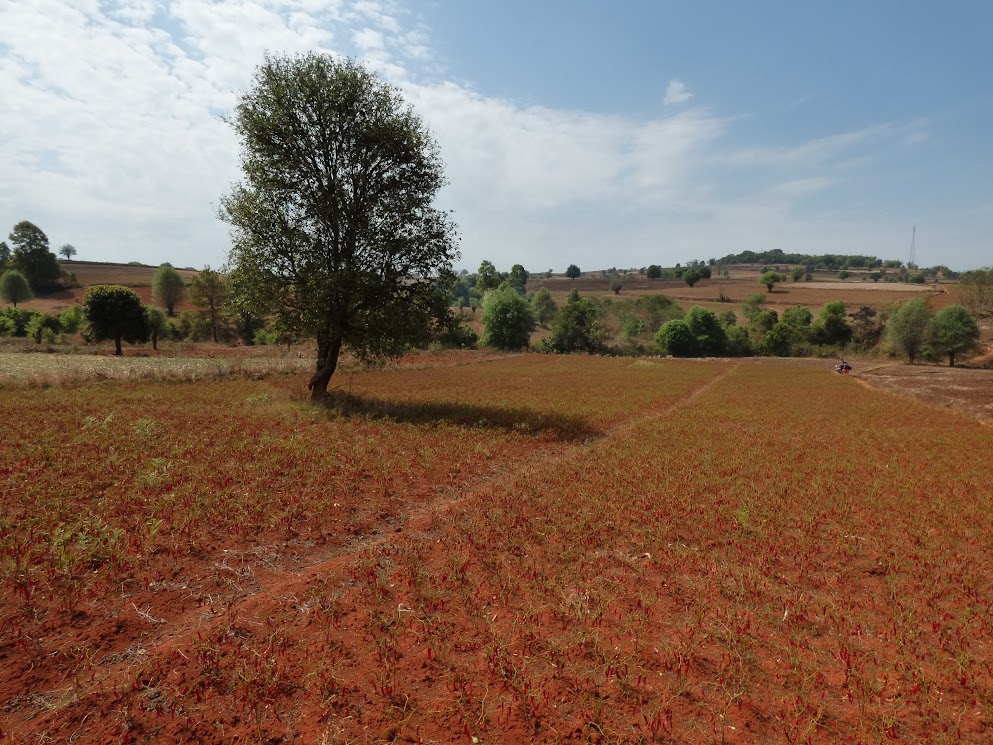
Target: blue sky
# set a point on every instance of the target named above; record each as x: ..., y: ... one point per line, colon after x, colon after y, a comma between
x: 602, y: 134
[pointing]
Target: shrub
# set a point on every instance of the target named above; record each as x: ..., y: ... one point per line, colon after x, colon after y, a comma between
x: 14, y: 287
x: 675, y: 338
x: 115, y: 312
x: 20, y: 318
x: 543, y: 306
x: 907, y: 327
x: 709, y: 337
x: 507, y: 319
x: 44, y: 327
x: 577, y: 327
x: 459, y: 336
x: 71, y: 319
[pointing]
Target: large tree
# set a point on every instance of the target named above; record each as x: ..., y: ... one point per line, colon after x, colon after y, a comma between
x: 32, y: 257
x: 115, y: 312
x: 907, y: 328
x: 334, y: 227
x: 168, y: 287
x: 952, y: 331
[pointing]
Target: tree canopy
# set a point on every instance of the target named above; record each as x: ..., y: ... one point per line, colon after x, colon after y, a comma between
x: 168, y: 287
x: 573, y: 272
x: 115, y: 312
x: 14, y: 287
x: 507, y: 319
x: 952, y: 331
x: 31, y: 256
x: 334, y: 228
x: 907, y: 327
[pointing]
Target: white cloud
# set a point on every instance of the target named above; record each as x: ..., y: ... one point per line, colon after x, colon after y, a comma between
x: 676, y: 93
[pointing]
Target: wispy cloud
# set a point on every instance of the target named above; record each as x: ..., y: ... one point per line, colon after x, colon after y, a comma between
x: 676, y: 93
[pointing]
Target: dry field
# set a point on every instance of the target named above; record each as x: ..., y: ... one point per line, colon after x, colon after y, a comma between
x: 473, y: 548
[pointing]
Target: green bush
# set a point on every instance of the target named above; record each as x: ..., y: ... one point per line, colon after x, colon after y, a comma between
x: 507, y: 319
x: 577, y: 327
x: 675, y: 338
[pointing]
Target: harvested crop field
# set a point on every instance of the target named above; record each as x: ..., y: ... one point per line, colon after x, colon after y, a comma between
x: 538, y: 548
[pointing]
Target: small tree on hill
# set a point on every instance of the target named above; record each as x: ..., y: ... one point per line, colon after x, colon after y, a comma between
x: 543, y: 306
x: 654, y: 271
x: 487, y: 278
x: 907, y: 328
x: 952, y: 331
x: 507, y: 319
x: 68, y: 250
x: 168, y: 288
x: 692, y: 276
x: 616, y: 286
x: 573, y: 272
x: 156, y: 321
x: 770, y: 280
x: 209, y: 292
x: 14, y: 287
x: 32, y: 257
x: 115, y: 312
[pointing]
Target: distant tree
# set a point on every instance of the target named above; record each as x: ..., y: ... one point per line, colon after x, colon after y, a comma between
x: 507, y: 319
x: 692, y: 276
x: 32, y: 257
x: 543, y: 306
x: 4, y: 253
x: 573, y: 271
x: 487, y: 278
x: 14, y: 287
x: 573, y: 296
x: 616, y: 286
x: 708, y: 334
x: 675, y: 338
x: 770, y: 279
x: 654, y: 271
x: 68, y: 250
x: 577, y: 327
x: 952, y: 331
x: 518, y: 277
x: 780, y: 340
x: 867, y: 327
x: 168, y: 288
x: 751, y: 306
x: 797, y: 316
x: 209, y: 292
x: 843, y: 275
x: 728, y: 319
x: 907, y: 327
x: 875, y: 276
x: 976, y: 287
x: 796, y: 273
x: 115, y: 312
x: 156, y: 321
x: 831, y: 326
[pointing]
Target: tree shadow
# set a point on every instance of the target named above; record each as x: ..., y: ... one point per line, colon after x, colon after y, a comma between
x: 560, y: 427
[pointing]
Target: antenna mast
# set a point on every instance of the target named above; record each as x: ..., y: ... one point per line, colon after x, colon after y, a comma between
x: 913, y: 249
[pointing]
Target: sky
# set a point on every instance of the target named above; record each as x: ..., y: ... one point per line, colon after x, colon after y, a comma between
x: 605, y: 134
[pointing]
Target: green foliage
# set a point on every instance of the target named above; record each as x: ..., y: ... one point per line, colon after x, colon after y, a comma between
x: 209, y: 292
x: 692, y: 276
x: 168, y: 288
x: 798, y: 316
x: 334, y: 225
x: 727, y: 319
x: 14, y: 287
x: 952, y: 331
x: 655, y: 310
x: 71, y: 319
x: 654, y: 271
x: 708, y: 334
x: 4, y: 253
x: 543, y: 306
x: 875, y: 276
x: 156, y: 321
x: 487, y: 278
x: 20, y: 318
x: 518, y: 277
x: 770, y: 280
x: 507, y: 319
x: 867, y: 328
x: 797, y: 272
x: 781, y: 340
x: 675, y: 338
x: 44, y: 327
x: 751, y: 306
x: 7, y: 327
x: 459, y: 336
x: 907, y: 327
x: 573, y: 271
x: 577, y: 327
x: 831, y: 326
x: 843, y: 275
x: 631, y: 326
x: 115, y: 312
x: 738, y: 343
x: 67, y: 250
x: 572, y: 297
x: 32, y: 257
x: 616, y: 286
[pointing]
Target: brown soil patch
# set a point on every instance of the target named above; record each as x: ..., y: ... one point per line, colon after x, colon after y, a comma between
x: 966, y: 390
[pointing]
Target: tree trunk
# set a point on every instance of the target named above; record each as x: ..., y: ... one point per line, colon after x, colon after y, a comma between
x: 117, y: 346
x: 951, y: 359
x: 327, y: 361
